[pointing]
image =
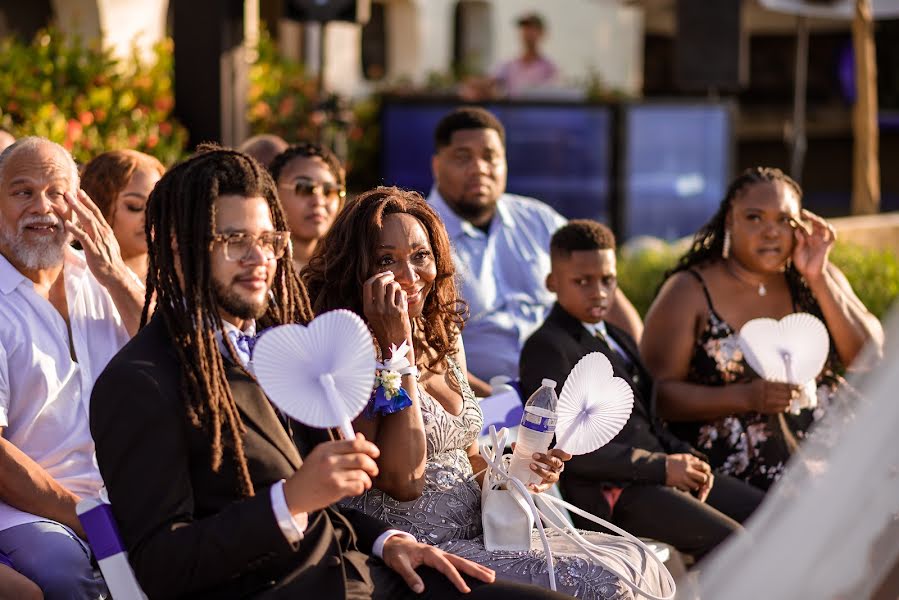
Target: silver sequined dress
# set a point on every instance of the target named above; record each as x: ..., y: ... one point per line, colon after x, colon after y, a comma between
x: 448, y: 514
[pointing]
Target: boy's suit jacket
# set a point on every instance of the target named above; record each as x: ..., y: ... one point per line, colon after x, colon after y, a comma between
x: 637, y: 454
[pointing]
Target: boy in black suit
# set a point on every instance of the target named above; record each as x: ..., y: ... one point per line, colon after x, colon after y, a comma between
x: 645, y: 480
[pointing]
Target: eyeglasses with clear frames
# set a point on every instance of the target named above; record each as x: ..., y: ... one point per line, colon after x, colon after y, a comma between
x: 238, y: 246
x: 307, y: 187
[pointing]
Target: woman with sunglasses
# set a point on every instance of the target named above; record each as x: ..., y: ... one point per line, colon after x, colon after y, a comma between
x: 312, y: 187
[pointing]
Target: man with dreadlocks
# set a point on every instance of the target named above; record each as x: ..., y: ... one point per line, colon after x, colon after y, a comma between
x: 212, y: 497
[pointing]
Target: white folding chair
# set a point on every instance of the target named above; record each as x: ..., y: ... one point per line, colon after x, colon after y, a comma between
x: 106, y: 544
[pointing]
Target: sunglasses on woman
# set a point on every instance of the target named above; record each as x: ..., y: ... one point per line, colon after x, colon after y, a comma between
x: 304, y: 186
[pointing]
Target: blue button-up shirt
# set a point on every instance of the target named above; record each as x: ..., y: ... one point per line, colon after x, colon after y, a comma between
x: 502, y: 276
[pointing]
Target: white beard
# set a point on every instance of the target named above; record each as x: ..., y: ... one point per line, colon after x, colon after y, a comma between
x: 35, y: 255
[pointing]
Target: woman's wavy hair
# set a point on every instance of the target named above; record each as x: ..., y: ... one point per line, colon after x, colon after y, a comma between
x: 345, y: 259
x: 709, y: 240
x: 104, y: 177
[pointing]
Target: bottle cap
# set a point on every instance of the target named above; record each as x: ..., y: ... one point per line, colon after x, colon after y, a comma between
x: 548, y: 383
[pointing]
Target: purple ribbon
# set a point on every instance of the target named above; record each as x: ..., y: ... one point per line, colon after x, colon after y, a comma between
x: 102, y: 531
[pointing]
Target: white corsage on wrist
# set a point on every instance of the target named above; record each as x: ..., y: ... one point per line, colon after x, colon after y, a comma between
x: 389, y: 396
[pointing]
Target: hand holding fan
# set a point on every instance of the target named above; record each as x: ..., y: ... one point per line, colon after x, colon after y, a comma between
x: 322, y: 374
x: 594, y: 406
x: 792, y: 350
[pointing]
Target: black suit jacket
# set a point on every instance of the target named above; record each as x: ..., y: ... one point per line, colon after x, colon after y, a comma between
x: 188, y: 531
x: 637, y: 454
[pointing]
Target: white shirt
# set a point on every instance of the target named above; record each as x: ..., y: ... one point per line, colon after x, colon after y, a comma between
x: 44, y: 394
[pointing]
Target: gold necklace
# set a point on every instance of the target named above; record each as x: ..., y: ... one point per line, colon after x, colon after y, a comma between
x: 762, y: 290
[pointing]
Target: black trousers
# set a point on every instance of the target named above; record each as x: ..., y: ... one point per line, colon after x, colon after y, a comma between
x: 387, y: 585
x: 677, y: 518
x: 369, y: 578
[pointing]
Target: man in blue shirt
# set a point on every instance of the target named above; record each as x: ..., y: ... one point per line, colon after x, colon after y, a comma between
x: 500, y: 245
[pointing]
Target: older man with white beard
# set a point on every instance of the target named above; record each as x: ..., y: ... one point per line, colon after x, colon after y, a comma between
x: 63, y: 315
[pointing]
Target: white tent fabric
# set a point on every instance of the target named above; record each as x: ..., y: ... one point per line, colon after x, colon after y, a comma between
x: 830, y: 527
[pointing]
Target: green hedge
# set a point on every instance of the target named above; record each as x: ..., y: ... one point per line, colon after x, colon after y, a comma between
x: 874, y: 275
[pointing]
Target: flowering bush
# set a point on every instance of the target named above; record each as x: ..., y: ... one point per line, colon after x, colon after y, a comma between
x: 86, y: 99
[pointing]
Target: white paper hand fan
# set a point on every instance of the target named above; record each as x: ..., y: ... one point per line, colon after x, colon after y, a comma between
x: 792, y: 350
x: 322, y: 374
x: 593, y: 407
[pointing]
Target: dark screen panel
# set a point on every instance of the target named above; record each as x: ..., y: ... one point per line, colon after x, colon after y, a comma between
x: 677, y: 165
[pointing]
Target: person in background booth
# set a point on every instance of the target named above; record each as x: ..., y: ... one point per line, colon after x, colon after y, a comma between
x: 760, y: 255
x: 119, y: 182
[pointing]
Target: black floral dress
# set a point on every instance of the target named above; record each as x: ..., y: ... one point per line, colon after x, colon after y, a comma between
x: 750, y: 446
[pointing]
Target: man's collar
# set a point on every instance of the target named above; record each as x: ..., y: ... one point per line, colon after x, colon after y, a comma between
x: 456, y: 225
x: 451, y: 221
x: 595, y: 328
x: 249, y: 327
x: 11, y: 278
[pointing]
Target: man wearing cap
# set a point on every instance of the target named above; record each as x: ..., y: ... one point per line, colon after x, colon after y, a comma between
x: 530, y: 70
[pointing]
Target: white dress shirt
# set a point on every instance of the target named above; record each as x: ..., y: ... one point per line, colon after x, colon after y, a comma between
x: 293, y: 526
x: 44, y: 394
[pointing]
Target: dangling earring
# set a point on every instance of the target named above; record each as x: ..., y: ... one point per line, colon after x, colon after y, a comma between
x: 725, y: 247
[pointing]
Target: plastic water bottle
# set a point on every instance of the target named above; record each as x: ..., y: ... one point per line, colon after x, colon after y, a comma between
x: 538, y: 425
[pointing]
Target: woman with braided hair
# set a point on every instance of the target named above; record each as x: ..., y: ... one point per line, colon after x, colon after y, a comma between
x: 760, y: 255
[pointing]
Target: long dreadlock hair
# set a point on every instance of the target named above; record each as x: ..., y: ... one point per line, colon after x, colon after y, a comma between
x: 180, y: 222
x: 709, y: 240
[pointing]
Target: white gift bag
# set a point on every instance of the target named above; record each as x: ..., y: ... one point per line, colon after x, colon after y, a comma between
x: 507, y: 519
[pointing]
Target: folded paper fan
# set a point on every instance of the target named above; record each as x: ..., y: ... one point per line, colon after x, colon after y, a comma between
x: 593, y: 407
x: 792, y: 350
x: 322, y: 374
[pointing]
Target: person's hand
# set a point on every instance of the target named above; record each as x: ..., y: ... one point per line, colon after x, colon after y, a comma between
x: 101, y: 249
x: 331, y: 472
x: 385, y: 307
x: 548, y: 467
x: 404, y: 555
x: 771, y: 397
x: 810, y: 254
x: 689, y: 474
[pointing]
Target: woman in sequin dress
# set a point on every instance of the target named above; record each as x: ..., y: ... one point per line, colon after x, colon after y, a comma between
x: 398, y: 275
x: 760, y: 255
